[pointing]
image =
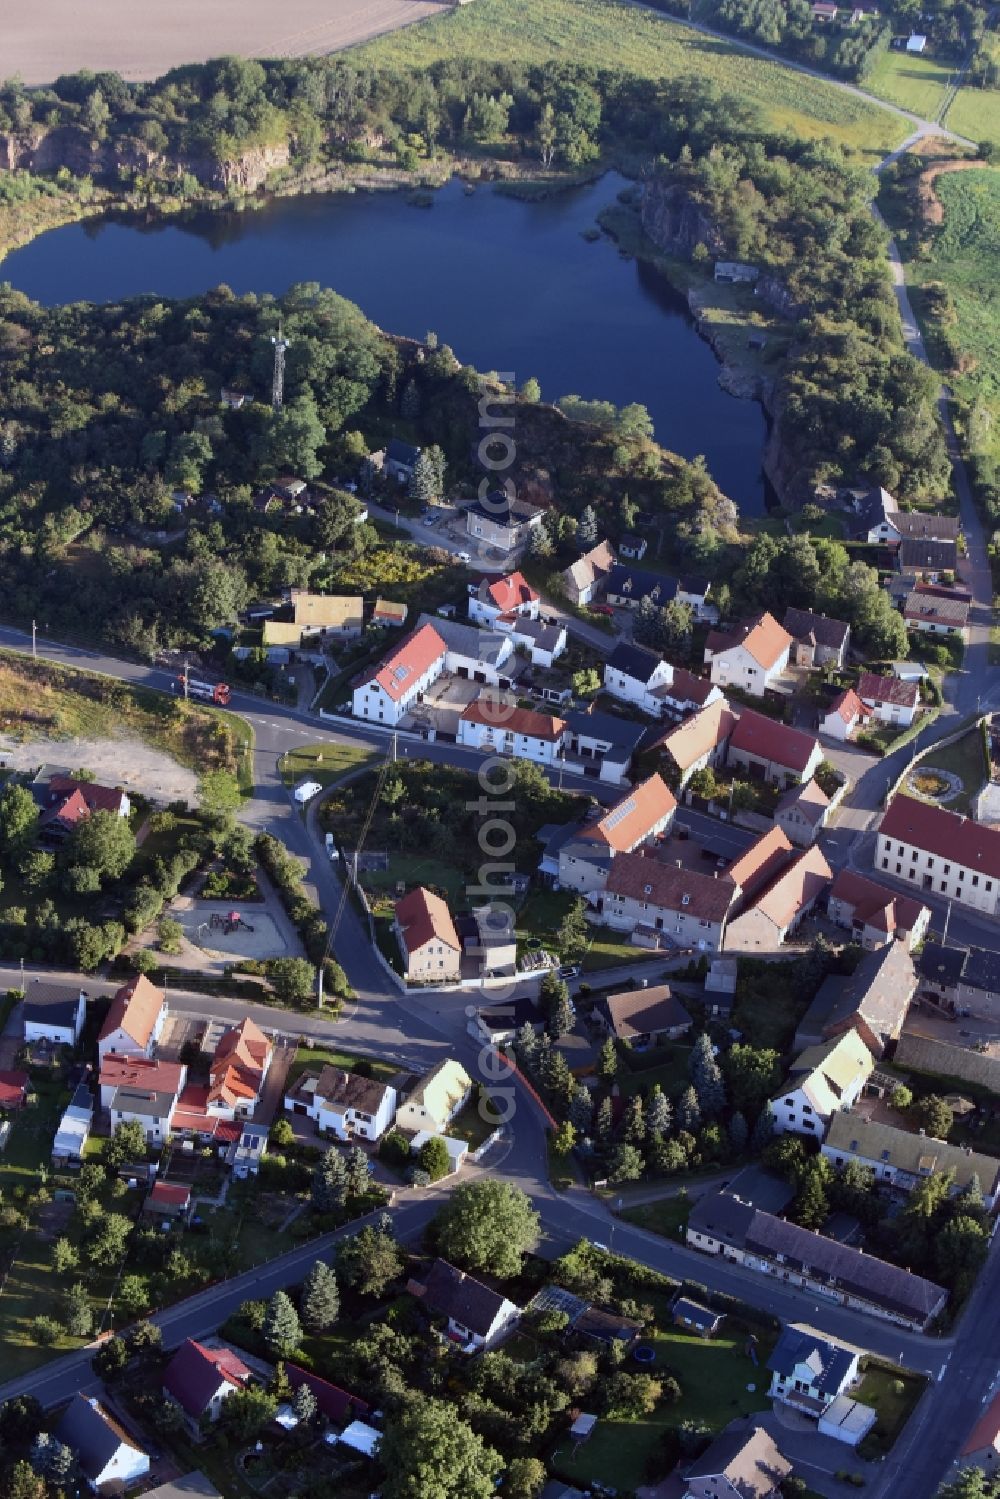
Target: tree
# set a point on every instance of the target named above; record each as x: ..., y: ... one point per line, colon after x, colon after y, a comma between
x: 763, y: 1129
x: 586, y: 529
x: 604, y: 1121
x: 704, y: 784
x: 811, y: 1207
x: 428, y: 1452
x: 422, y: 486
x: 434, y: 1158
x: 581, y: 1110
x: 128, y: 1143
x: 563, y: 1139
x: 107, y: 1247
x: 219, y: 794
x: 24, y: 1483
x: 531, y: 391
x: 706, y: 1077
x: 525, y: 1478
x: 111, y: 1358
x: 104, y: 841
x: 282, y: 1134
x: 607, y: 1061
x: 292, y: 979
x: 752, y: 1074
x: 304, y: 1404
x: 64, y: 1257
x: 629, y: 1397
x: 970, y: 1483
x: 626, y: 1164
x: 282, y: 1329
x: 77, y: 1312
x: 633, y: 1125
x: 555, y: 1005
x: 370, y: 1261
x: 18, y: 821
x: 739, y: 1134
x: 586, y: 682
x: 246, y: 1412
x: 659, y: 1114
x: 901, y: 1098
x: 573, y: 936
x: 320, y: 1301
x: 934, y: 1116
x: 487, y: 1225
x: 292, y: 439
x: 688, y: 1111
x: 329, y: 1184
x: 52, y: 1459
x: 46, y: 1330
x: 357, y: 1169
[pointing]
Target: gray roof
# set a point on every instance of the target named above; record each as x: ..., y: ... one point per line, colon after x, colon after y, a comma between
x: 546, y: 637
x: 622, y: 733
x: 398, y: 451
x: 750, y: 1460
x: 803, y: 623
x: 943, y: 965
x: 920, y: 1054
x: 634, y: 660
x: 457, y: 1294
x: 695, y: 1313
x: 191, y: 1486
x: 829, y: 1361
x: 503, y: 511
x: 878, y: 991
x: 143, y: 1101
x: 938, y: 556
x: 918, y: 524
x: 466, y: 640
x: 92, y: 1434
x: 51, y: 1004
x: 722, y: 1216
x: 982, y: 969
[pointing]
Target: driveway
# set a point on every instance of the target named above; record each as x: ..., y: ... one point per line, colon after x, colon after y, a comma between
x: 269, y: 1103
x: 815, y: 1458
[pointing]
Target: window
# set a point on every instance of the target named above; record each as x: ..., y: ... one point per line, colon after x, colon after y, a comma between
x: 947, y: 869
x: 885, y: 864
x: 975, y: 879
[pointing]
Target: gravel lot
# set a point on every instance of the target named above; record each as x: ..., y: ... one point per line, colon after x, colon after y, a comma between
x: 143, y: 41
x: 127, y: 762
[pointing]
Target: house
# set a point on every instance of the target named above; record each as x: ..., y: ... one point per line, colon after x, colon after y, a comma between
x: 499, y: 522
x: 74, y: 1129
x: 688, y: 1313
x: 153, y: 1110
x: 343, y: 1104
x: 702, y: 740
x: 435, y: 1100
x: 633, y: 675
x: 543, y: 642
x: 188, y: 1486
x: 763, y: 925
x: 771, y: 751
x: 875, y: 999
x: 931, y: 558
x: 720, y: 1223
x: 509, y: 594
x: 477, y: 1317
x: 916, y: 43
x: 751, y: 656
x: 238, y: 1069
x: 388, y: 612
x: 387, y: 692
x: 720, y: 985
x: 135, y: 1021
x: 201, y: 1379
x: 822, y: 1081
x: 53, y: 1013
x: 688, y: 908
x: 64, y: 801
x: 941, y: 1059
x: 686, y: 693
x: 941, y: 851
x: 646, y: 812
x: 874, y: 517
x: 981, y: 1448
x: 902, y: 1159
x: 586, y: 578
x: 429, y: 944
x: 924, y: 525
x: 289, y: 487
x: 802, y: 812
x: 824, y: 10
x: 234, y: 398
x: 118, y: 1071
x: 873, y: 913
x: 968, y: 980
x: 492, y: 939
x: 500, y: 1026
x: 817, y: 639
x: 168, y: 1200
x: 888, y: 699
x: 744, y: 1463
x: 753, y: 870
x: 933, y: 614
x: 399, y: 460
x: 491, y: 724
x: 643, y: 1017
x: 103, y: 1448
x: 337, y: 1405
x: 736, y: 272
x: 629, y: 587
x: 845, y: 714
x: 13, y: 1089
x: 478, y: 655
x: 809, y: 1369
x: 321, y: 614
x: 633, y: 547
x: 602, y: 744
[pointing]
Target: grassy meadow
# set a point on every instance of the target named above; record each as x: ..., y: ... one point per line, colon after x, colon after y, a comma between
x: 605, y: 33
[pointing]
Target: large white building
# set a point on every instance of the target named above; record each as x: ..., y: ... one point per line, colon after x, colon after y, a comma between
x: 824, y: 1080
x: 387, y: 693
x: 940, y: 851
x: 488, y: 724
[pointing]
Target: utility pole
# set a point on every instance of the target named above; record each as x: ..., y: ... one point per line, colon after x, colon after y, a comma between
x: 319, y: 987
x: 34, y: 653
x: 187, y: 668
x: 947, y: 919
x: 281, y: 343
x: 394, y: 746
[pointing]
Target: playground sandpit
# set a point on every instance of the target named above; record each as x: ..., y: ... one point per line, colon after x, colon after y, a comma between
x: 209, y: 924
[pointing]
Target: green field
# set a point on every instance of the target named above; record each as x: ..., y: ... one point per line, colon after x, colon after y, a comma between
x: 976, y: 111
x: 668, y: 1216
x: 916, y: 83
x: 603, y: 33
x: 324, y: 763
x: 312, y: 1058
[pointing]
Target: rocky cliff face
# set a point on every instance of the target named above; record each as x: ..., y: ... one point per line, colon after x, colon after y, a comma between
x: 41, y: 150
x: 675, y: 223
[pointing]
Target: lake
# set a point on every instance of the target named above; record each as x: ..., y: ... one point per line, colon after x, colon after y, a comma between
x: 510, y: 285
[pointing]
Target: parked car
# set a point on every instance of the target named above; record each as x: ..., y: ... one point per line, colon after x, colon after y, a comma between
x: 600, y: 609
x: 569, y: 971
x: 464, y: 557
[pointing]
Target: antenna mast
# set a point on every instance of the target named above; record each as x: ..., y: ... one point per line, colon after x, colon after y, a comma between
x: 281, y: 343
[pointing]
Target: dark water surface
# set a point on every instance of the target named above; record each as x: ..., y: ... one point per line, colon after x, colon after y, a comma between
x: 512, y: 286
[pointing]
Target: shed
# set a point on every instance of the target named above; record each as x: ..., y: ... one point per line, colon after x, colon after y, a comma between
x: 582, y: 1427
x: 700, y: 1319
x: 361, y: 1438
x: 916, y: 43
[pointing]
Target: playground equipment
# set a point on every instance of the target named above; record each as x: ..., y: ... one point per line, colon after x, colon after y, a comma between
x: 229, y: 924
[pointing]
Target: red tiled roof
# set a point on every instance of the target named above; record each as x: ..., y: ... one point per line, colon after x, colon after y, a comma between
x: 762, y: 637
x: 848, y: 706
x: 945, y: 834
x: 687, y: 687
x: 424, y: 917
x: 487, y: 710
x: 633, y: 818
x: 171, y: 1194
x: 129, y: 1072
x: 986, y: 1432
x: 756, y: 734
x: 888, y: 690
x: 702, y: 733
x: 97, y: 798
x: 334, y: 1403
x: 410, y: 659
x: 875, y: 904
x: 761, y: 862
x: 647, y: 879
x: 195, y: 1373
x: 510, y: 592
x: 798, y: 885
x: 135, y: 1010
x: 239, y: 1063
x: 13, y: 1086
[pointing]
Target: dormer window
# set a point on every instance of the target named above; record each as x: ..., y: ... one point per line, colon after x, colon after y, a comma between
x: 685, y: 900
x: 647, y: 889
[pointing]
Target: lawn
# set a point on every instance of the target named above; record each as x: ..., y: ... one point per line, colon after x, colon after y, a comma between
x: 671, y: 1073
x: 975, y: 112
x: 916, y: 83
x: 542, y: 915
x: 713, y: 1376
x: 599, y: 33
x: 410, y: 870
x: 966, y: 759
x: 29, y: 1146
x: 669, y: 1216
x: 475, y: 1123
x: 310, y: 1058
x: 324, y: 763
x: 894, y: 1394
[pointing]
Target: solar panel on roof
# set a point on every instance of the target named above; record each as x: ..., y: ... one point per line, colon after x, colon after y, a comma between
x: 614, y: 818
x: 400, y: 673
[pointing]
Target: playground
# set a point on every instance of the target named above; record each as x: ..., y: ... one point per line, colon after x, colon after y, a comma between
x: 222, y: 931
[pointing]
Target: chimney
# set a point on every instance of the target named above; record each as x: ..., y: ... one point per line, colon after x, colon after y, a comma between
x: 645, y: 985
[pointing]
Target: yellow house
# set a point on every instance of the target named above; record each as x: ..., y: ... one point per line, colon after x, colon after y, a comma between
x: 436, y: 1099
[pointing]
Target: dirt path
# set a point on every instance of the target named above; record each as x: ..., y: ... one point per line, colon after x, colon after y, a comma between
x: 145, y: 41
